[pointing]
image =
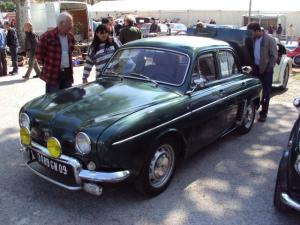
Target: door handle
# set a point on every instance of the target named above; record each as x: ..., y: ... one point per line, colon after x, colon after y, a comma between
x: 221, y: 92
x: 243, y: 84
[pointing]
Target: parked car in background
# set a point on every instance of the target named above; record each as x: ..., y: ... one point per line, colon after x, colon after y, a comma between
x: 242, y: 41
x: 178, y: 28
x: 287, y: 188
x: 158, y: 101
x: 141, y: 20
x: 295, y: 55
x: 145, y: 29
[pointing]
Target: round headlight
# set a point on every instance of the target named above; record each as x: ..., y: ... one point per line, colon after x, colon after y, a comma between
x: 24, y: 120
x: 54, y: 147
x: 25, y: 136
x: 83, y: 143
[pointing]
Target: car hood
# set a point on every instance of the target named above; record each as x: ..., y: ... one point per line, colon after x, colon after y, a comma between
x: 97, y: 104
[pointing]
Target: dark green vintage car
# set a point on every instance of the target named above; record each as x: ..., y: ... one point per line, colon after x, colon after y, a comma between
x: 158, y: 101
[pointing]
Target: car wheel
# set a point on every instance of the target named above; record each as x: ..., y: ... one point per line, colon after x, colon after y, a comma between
x: 248, y: 121
x: 159, y: 169
x: 285, y: 78
x: 296, y: 60
x: 279, y: 205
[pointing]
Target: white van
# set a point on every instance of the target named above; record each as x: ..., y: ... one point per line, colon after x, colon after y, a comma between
x: 43, y: 17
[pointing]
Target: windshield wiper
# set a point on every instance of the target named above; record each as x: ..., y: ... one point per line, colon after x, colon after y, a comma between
x: 112, y: 74
x: 145, y: 77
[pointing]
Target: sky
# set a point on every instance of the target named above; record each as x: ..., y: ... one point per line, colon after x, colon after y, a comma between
x: 241, y: 5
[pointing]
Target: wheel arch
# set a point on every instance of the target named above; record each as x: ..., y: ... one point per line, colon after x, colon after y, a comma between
x: 178, y: 138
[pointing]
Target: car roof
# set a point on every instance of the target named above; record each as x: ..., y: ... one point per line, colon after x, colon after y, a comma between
x: 182, y: 43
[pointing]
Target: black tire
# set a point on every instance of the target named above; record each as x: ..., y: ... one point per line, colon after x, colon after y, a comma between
x: 248, y: 121
x: 149, y: 183
x: 278, y: 204
x: 296, y: 60
x: 285, y: 78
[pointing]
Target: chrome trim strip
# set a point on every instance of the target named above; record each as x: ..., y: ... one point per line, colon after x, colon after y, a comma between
x: 289, y: 201
x: 108, y: 177
x: 185, y: 115
x: 72, y: 188
x: 147, y: 131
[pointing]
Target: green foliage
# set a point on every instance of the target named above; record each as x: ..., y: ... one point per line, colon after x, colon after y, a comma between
x: 7, y: 6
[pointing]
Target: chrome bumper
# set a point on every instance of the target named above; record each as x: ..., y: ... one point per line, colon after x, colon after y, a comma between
x: 287, y: 200
x: 84, y: 178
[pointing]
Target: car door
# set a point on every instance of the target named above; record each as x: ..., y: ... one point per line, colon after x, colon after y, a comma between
x: 204, y: 102
x: 232, y: 82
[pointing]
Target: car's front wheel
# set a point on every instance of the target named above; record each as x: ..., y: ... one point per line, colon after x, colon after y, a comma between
x: 159, y: 168
x: 248, y: 120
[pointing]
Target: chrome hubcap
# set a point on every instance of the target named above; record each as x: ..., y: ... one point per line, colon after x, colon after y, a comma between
x: 249, y: 116
x: 161, y: 165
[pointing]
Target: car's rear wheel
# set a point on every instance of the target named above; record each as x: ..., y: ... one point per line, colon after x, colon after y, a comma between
x: 296, y: 60
x: 279, y: 205
x: 285, y: 78
x: 248, y: 120
x: 159, y: 168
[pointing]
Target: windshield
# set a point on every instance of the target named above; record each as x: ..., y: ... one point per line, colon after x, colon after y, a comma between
x: 158, y: 65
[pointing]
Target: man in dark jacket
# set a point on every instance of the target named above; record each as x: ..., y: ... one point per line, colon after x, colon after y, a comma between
x: 264, y: 58
x: 13, y: 44
x: 31, y: 40
x: 129, y: 32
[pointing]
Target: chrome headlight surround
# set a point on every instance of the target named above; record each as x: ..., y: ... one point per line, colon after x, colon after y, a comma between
x: 24, y: 121
x: 83, y: 143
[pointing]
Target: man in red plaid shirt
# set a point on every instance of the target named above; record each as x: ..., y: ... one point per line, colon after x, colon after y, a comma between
x: 54, y: 53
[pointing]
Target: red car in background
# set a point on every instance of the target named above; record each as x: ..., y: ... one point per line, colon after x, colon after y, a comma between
x: 295, y: 55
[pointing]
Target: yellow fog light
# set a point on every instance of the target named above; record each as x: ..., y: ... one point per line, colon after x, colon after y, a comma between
x: 25, y: 136
x: 54, y: 147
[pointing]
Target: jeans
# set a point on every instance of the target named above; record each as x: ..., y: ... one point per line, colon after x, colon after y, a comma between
x: 14, y: 58
x: 266, y: 79
x: 289, y: 39
x: 3, y: 63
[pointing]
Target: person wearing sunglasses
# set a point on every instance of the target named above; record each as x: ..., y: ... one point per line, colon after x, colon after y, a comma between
x: 99, y: 52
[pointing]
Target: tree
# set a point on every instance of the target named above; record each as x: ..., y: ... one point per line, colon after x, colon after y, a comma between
x: 22, y: 15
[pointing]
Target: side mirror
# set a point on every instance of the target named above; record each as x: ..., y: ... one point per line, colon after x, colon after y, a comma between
x: 297, y: 103
x: 246, y: 70
x: 200, y: 82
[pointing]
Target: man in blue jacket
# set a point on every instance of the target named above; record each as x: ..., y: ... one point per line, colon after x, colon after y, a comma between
x: 3, y: 63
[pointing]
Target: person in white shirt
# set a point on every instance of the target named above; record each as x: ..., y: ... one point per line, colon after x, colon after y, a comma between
x: 290, y: 34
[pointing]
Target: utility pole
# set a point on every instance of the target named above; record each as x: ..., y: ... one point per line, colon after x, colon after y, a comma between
x: 249, y: 15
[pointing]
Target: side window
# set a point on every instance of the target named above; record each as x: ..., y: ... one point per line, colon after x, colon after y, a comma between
x: 227, y: 64
x: 205, y: 67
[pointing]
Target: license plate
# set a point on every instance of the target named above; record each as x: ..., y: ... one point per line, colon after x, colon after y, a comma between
x: 52, y: 164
